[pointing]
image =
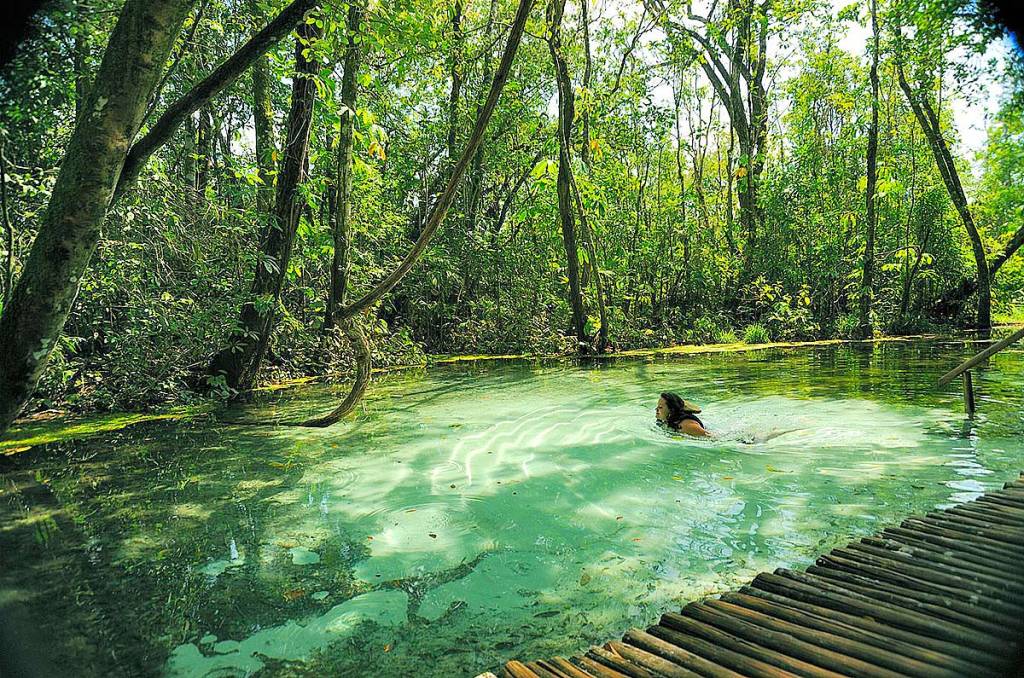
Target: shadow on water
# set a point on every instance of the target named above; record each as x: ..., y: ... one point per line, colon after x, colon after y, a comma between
x: 467, y: 516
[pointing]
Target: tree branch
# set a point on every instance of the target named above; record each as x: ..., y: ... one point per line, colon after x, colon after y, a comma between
x: 209, y: 87
x: 440, y: 208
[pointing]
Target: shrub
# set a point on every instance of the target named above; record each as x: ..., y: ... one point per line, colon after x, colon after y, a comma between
x: 726, y: 337
x: 756, y: 334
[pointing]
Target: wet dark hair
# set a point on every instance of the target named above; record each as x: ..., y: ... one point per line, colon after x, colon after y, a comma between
x: 676, y: 409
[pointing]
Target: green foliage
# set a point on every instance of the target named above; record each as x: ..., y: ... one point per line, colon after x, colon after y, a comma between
x: 756, y: 334
x: 660, y: 186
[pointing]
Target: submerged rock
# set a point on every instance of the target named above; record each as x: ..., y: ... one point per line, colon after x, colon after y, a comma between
x: 291, y: 641
x: 303, y: 556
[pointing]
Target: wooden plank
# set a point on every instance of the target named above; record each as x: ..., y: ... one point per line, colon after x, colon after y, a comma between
x: 1011, y: 517
x: 966, y: 558
x: 518, y: 670
x: 834, y: 608
x: 983, y: 630
x: 825, y: 638
x: 732, y: 651
x: 855, y: 603
x: 1006, y: 550
x: 616, y: 663
x: 922, y: 577
x: 1004, y: 590
x: 984, y: 528
x: 568, y: 668
x: 956, y: 514
x: 787, y: 644
x: 994, y: 538
x: 677, y: 655
x: 960, y: 611
x: 983, y: 502
x: 541, y: 670
x: 1011, y: 492
x: 653, y: 662
x: 596, y: 669
x: 938, y: 558
x: 993, y: 549
x: 940, y: 664
x: 988, y: 554
x: 999, y: 501
x: 981, y: 512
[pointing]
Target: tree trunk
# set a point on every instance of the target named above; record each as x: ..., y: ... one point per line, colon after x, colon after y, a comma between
x: 203, y: 151
x: 476, y: 175
x: 93, y: 162
x: 342, y: 224
x: 566, y: 115
x: 239, y: 361
x: 456, y: 75
x: 947, y: 169
x: 588, y: 75
x: 8, y: 228
x: 867, y: 280
x: 263, y: 118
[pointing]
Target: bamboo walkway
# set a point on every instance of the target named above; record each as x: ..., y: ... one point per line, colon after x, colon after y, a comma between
x: 940, y: 595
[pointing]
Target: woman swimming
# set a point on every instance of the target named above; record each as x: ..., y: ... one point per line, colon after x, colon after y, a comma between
x: 680, y: 415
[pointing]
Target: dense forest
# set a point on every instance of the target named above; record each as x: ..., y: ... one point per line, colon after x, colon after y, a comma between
x: 199, y: 196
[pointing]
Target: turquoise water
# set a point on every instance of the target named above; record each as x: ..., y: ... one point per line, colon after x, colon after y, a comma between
x: 468, y: 516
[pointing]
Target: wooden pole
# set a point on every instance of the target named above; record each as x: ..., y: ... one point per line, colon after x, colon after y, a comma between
x: 968, y: 394
x: 991, y: 350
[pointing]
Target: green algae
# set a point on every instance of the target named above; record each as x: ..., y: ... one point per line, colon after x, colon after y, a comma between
x: 26, y: 434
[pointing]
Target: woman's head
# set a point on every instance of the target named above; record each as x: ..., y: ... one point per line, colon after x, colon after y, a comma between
x: 672, y: 409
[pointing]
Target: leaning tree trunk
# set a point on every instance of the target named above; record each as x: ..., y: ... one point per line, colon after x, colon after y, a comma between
x: 437, y: 214
x: 263, y: 119
x: 342, y: 225
x: 5, y: 214
x: 476, y: 174
x: 95, y: 157
x: 239, y: 361
x: 867, y: 279
x: 929, y: 122
x: 588, y: 76
x: 566, y: 115
x: 456, y: 74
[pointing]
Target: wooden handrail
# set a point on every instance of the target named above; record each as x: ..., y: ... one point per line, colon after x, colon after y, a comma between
x: 988, y: 352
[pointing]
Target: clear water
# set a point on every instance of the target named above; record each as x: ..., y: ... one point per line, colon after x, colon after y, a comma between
x: 471, y: 515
